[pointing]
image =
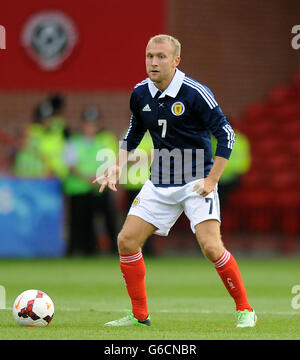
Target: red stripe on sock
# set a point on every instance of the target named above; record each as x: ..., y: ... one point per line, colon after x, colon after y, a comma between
x: 131, y: 257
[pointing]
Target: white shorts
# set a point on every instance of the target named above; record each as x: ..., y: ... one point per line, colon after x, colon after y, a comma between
x: 162, y: 206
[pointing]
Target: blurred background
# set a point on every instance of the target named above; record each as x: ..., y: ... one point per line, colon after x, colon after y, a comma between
x: 66, y: 74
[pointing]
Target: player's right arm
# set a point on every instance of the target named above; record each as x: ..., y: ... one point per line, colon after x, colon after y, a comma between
x: 130, y: 142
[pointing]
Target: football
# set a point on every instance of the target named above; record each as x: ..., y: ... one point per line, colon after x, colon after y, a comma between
x: 33, y: 308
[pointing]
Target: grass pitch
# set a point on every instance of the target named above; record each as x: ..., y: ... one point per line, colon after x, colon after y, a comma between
x: 187, y: 299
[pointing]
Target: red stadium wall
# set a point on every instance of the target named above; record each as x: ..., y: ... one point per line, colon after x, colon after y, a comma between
x: 108, y: 53
x: 240, y: 50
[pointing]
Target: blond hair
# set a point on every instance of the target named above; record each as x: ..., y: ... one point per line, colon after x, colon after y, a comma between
x: 168, y: 38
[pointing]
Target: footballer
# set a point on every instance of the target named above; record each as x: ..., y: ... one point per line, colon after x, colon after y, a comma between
x: 180, y: 114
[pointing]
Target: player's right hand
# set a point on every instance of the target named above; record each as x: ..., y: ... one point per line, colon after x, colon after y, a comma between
x: 109, y: 178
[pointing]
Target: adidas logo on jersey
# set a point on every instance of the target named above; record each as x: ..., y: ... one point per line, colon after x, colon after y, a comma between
x: 146, y: 108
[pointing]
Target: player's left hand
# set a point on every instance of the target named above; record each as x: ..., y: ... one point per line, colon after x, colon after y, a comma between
x: 204, y: 186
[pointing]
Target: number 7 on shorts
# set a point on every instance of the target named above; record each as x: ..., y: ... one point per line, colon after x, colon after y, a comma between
x: 210, y: 201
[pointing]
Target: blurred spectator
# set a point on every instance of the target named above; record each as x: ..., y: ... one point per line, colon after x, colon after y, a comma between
x: 41, y: 154
x: 237, y: 166
x: 52, y: 147
x: 85, y: 201
x: 29, y: 161
x: 57, y: 121
x: 55, y: 134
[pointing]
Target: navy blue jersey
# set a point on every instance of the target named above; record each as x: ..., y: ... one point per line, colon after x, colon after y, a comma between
x: 180, y: 120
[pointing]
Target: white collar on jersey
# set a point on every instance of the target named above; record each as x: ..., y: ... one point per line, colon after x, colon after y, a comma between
x: 172, y: 89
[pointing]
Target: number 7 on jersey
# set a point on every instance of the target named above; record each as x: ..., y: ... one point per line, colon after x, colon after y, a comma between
x: 163, y: 123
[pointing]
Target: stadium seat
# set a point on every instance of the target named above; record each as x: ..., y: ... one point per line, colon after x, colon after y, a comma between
x: 268, y: 199
x: 280, y: 93
x: 283, y: 181
x: 289, y: 129
x: 278, y: 162
x: 266, y: 147
x: 256, y: 111
x: 230, y: 221
x: 252, y: 180
x: 260, y: 222
x: 294, y: 147
x: 286, y: 110
x: 288, y: 203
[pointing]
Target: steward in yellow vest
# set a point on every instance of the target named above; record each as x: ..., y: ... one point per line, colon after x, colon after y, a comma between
x: 41, y: 155
x: 85, y: 202
x: 29, y: 162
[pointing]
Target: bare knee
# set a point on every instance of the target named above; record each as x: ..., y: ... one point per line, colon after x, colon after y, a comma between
x: 209, y: 238
x: 127, y: 244
x: 133, y: 235
x: 212, y: 250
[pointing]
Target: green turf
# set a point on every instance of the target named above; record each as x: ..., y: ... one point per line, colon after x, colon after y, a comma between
x: 187, y: 300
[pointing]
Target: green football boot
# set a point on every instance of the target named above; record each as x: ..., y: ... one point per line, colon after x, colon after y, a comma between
x: 129, y: 320
x: 246, y: 318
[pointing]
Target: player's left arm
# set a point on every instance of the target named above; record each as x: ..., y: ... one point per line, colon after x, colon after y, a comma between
x: 222, y: 130
x: 207, y: 185
x: 219, y: 126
